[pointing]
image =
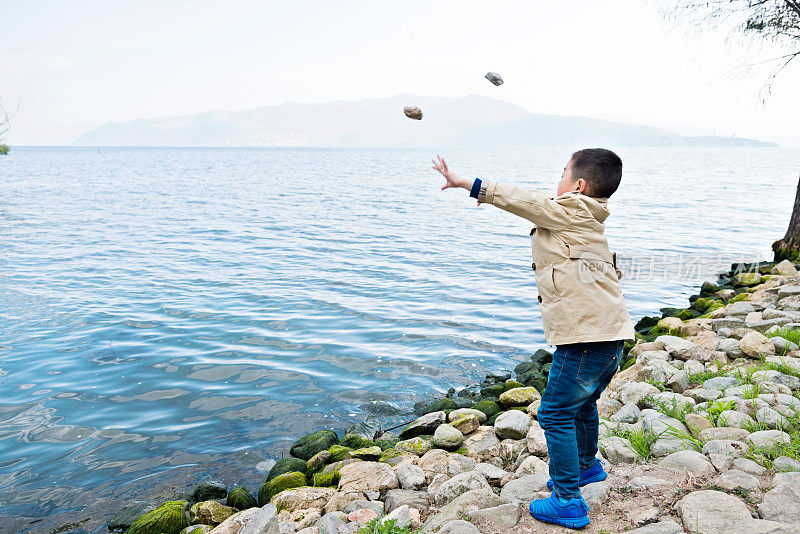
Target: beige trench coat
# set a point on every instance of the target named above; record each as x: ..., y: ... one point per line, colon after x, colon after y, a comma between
x: 576, y: 274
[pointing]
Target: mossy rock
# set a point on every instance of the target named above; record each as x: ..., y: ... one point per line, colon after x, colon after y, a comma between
x: 418, y: 445
x: 669, y: 312
x: 210, y: 513
x: 367, y: 453
x: 339, y: 453
x: 169, y: 518
x: 318, y: 461
x: 646, y: 323
x: 746, y: 279
x: 713, y: 307
x: 287, y: 465
x: 441, y: 405
x: 490, y: 408
x: 525, y: 367
x: 492, y: 419
x: 208, y: 490
x: 512, y: 384
x: 4, y: 150
x: 386, y: 443
x: 326, y: 480
x: 197, y: 529
x: 686, y: 314
x: 708, y: 289
x: 354, y: 441
x: 739, y: 298
x: 278, y: 484
x: 532, y: 376
x: 542, y: 356
x: 494, y: 390
x: 309, y: 445
x: 388, y: 454
x: 240, y: 499
x: 519, y: 396
x: 703, y: 303
x: 463, y: 402
x: 462, y: 451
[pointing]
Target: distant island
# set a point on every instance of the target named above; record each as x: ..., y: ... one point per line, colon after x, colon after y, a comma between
x: 456, y: 121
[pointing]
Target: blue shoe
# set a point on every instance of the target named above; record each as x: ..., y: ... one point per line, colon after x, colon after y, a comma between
x: 571, y: 514
x: 596, y: 473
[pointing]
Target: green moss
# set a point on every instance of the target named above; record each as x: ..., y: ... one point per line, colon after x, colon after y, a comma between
x: 746, y: 279
x: 494, y: 390
x: 492, y: 419
x: 708, y: 289
x: 685, y: 315
x: 712, y: 308
x: 740, y: 297
x: 326, y: 480
x: 240, y: 499
x: 441, y: 405
x: 169, y: 518
x: 309, y: 445
x: 3, y: 150
x: 462, y: 451
x: 287, y: 465
x: 278, y: 484
x: 417, y: 445
x: 210, y: 513
x: 488, y: 407
x: 512, y: 384
x: 462, y: 402
x: 354, y: 441
x: 339, y: 453
x: 702, y: 304
x: 386, y: 443
x: 388, y: 454
x: 627, y: 363
x: 367, y: 453
x: 646, y: 323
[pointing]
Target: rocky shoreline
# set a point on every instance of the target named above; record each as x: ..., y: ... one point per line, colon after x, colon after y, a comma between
x: 700, y: 433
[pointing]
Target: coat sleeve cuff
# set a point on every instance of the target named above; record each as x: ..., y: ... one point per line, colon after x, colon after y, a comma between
x: 486, y: 191
x: 476, y: 187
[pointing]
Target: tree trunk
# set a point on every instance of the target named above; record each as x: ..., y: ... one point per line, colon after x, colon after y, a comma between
x: 789, y: 246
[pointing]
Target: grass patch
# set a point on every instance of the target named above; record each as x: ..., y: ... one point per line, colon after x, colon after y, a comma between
x: 702, y: 376
x: 716, y: 407
x: 658, y: 385
x: 672, y: 409
x: 388, y: 527
x: 766, y: 456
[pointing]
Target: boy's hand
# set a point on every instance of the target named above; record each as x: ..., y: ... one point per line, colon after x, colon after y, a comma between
x: 453, y: 180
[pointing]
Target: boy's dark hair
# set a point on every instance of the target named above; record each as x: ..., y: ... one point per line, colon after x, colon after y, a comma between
x: 601, y: 168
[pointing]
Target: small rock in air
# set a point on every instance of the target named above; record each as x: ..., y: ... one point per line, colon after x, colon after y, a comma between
x: 413, y: 112
x: 494, y: 78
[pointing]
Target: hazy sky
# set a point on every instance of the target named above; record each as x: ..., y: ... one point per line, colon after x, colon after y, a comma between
x: 76, y: 65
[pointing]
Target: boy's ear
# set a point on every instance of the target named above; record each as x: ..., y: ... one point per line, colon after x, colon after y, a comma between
x: 580, y: 186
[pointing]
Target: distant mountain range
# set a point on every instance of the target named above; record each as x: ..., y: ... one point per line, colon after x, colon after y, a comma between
x: 458, y: 121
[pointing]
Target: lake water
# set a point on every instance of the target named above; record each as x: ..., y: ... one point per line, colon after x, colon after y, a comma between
x: 168, y: 315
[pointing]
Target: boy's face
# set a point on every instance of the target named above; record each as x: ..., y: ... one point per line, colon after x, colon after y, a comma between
x: 567, y: 183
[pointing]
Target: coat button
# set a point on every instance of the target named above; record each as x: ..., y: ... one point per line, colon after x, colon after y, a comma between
x: 533, y: 266
x: 539, y: 298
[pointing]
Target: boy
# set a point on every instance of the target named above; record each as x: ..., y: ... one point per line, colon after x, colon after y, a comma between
x: 583, y: 313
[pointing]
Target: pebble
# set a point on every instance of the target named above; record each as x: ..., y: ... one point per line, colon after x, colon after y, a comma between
x: 413, y: 112
x: 495, y: 78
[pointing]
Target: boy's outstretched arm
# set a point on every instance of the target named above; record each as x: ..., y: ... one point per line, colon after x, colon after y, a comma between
x: 535, y: 206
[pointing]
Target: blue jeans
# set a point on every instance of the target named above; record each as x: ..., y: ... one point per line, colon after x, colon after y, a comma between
x: 568, y: 411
